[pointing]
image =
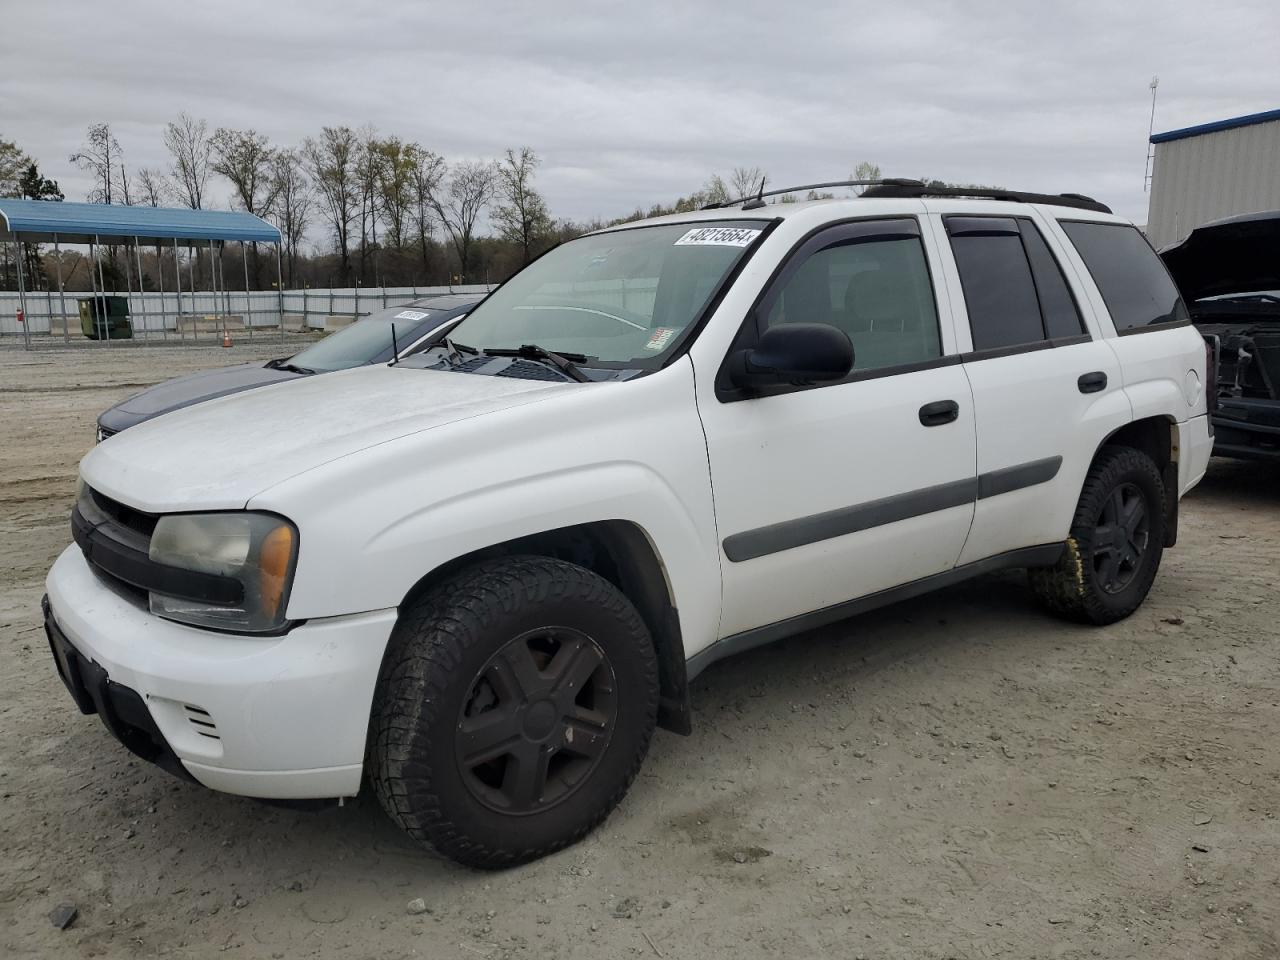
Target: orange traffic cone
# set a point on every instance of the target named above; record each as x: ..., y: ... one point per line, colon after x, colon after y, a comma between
x: 226, y: 337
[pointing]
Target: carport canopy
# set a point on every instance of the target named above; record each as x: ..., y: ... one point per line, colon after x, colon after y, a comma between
x: 42, y: 221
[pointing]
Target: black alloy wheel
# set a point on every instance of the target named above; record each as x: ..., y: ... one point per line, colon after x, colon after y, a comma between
x: 1120, y: 538
x: 537, y: 720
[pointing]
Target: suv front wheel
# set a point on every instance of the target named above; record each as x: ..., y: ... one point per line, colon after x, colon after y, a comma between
x: 514, y: 708
x: 1117, y: 538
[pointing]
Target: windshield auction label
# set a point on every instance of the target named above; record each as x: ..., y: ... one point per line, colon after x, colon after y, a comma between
x: 719, y: 237
x: 412, y: 315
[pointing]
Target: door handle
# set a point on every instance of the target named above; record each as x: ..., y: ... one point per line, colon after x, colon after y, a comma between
x: 1092, y: 382
x: 939, y: 412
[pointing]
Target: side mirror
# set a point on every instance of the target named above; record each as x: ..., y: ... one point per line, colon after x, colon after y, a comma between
x: 798, y: 353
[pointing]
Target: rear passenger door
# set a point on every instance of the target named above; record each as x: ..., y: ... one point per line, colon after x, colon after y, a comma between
x: 1046, y: 388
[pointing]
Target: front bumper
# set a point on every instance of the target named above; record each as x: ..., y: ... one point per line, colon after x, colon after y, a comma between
x: 280, y: 717
x: 1248, y: 429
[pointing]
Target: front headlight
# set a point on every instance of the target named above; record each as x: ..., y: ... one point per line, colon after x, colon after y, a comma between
x: 258, y: 550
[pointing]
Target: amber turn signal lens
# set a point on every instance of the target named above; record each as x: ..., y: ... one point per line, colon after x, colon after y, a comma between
x: 275, y: 559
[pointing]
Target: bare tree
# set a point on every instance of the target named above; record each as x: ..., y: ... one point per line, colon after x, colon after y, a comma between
x: 458, y: 208
x: 291, y: 205
x: 150, y: 186
x: 331, y: 161
x: 865, y: 170
x: 715, y: 190
x: 150, y: 193
x: 522, y: 216
x: 426, y: 174
x: 745, y: 181
x: 368, y: 162
x: 100, y: 155
x: 188, y: 143
x: 244, y: 157
x: 395, y: 188
x: 124, y: 190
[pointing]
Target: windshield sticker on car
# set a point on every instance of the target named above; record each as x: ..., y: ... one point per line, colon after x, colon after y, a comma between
x: 718, y: 236
x: 412, y: 315
x: 660, y: 338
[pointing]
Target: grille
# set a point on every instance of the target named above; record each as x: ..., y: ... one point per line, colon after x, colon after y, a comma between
x: 127, y: 517
x: 527, y: 370
x: 201, y: 722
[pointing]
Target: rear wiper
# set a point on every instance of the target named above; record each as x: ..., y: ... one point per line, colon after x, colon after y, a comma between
x: 564, y: 362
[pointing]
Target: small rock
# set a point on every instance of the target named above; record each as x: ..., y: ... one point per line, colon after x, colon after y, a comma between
x: 1200, y: 848
x: 1052, y: 784
x: 130, y: 833
x: 64, y: 915
x: 239, y: 902
x: 1007, y: 752
x: 1057, y: 920
x: 1173, y: 621
x: 994, y: 735
x: 625, y: 908
x: 859, y: 754
x: 416, y: 906
x: 739, y: 857
x: 295, y: 886
x: 1201, y: 819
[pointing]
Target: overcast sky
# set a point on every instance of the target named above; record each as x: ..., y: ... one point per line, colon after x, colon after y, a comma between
x: 634, y: 103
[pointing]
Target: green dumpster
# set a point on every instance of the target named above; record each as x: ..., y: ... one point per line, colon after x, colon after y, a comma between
x: 103, y: 318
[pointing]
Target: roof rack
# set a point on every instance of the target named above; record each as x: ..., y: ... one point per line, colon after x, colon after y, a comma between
x: 917, y: 189
x: 895, y: 187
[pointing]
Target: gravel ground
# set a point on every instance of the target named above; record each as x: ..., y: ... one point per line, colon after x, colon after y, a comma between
x: 958, y: 776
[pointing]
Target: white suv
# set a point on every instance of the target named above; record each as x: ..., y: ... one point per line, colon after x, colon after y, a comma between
x: 480, y: 577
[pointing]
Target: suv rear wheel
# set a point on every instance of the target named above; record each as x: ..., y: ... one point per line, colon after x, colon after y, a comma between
x: 514, y: 708
x: 1117, y: 538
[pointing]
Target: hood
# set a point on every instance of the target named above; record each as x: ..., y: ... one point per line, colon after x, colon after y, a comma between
x: 219, y: 455
x: 1236, y: 255
x: 193, y: 388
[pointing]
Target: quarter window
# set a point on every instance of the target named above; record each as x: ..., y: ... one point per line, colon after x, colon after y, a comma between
x: 1014, y: 290
x: 873, y: 285
x: 1061, y: 317
x: 998, y: 290
x: 1133, y: 282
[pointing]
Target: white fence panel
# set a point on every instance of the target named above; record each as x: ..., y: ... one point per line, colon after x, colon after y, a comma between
x: 160, y: 313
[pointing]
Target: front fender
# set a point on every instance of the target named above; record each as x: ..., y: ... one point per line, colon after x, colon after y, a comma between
x: 373, y: 524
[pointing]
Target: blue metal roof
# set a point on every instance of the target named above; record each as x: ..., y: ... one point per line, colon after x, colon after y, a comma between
x: 1215, y: 126
x: 39, y: 220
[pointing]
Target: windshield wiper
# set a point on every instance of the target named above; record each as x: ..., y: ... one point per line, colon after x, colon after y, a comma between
x: 564, y: 362
x: 290, y: 367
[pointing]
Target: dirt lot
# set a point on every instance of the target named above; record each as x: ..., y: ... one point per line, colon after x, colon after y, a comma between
x: 955, y: 777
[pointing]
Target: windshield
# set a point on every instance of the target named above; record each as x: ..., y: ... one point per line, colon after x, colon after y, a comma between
x: 366, y: 340
x: 625, y: 298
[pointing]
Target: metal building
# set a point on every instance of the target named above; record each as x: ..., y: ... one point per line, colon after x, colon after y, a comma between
x: 1211, y: 171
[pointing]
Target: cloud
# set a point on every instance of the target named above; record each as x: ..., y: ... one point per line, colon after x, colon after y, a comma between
x: 629, y: 104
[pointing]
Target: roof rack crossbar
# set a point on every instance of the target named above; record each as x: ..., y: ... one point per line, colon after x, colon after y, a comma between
x: 896, y: 187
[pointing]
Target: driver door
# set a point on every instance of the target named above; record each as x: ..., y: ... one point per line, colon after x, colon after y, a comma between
x: 826, y: 493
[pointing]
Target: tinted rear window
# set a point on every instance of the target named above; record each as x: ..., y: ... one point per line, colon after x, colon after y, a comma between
x: 998, y: 290
x: 1134, y: 283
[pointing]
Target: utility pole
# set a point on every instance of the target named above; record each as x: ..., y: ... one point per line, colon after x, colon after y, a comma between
x: 1149, y: 172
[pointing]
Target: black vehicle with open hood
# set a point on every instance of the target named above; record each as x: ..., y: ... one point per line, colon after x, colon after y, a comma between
x: 1229, y: 273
